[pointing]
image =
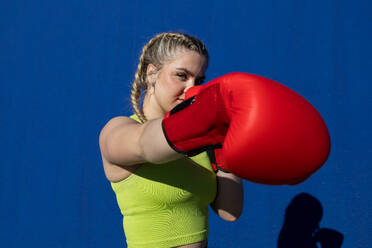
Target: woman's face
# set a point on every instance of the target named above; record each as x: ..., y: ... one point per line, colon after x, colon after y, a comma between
x: 176, y: 77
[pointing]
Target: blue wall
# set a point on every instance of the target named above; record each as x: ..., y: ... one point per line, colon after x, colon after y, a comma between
x: 66, y: 69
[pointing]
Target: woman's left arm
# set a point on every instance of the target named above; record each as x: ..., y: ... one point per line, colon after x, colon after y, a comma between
x: 229, y: 200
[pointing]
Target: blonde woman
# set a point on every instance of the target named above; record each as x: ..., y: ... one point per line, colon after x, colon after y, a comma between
x: 163, y: 194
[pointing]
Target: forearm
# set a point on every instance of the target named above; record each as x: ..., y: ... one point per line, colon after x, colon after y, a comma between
x: 154, y: 146
x: 229, y: 200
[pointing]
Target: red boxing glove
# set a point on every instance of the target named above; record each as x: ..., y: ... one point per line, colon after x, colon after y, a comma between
x: 274, y: 135
x: 197, y: 124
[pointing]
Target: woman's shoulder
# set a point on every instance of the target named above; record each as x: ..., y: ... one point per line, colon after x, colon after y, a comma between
x: 116, y: 141
x: 118, y: 121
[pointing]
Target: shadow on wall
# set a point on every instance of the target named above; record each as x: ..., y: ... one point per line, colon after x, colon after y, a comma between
x: 301, y: 226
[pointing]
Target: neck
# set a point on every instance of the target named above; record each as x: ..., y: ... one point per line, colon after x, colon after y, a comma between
x: 151, y: 108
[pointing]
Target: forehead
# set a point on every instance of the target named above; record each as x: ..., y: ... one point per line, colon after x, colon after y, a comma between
x: 190, y: 60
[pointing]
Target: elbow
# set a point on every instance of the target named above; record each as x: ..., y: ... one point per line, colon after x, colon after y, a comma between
x: 232, y: 218
x: 229, y: 216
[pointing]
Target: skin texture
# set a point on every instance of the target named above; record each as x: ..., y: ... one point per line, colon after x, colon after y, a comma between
x: 126, y: 145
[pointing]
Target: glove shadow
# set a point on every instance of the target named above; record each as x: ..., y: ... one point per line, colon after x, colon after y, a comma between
x: 301, y: 226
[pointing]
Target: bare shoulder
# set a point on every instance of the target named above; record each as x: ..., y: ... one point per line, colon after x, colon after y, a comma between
x: 109, y: 131
x: 117, y: 141
x: 116, y: 122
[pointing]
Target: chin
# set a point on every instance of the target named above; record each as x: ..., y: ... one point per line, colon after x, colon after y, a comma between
x: 174, y: 104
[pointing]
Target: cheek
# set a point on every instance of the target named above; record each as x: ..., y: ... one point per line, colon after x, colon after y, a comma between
x: 173, y: 87
x: 178, y: 89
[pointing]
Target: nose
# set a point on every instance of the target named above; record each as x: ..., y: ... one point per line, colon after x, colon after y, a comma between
x: 189, y: 84
x: 190, y: 90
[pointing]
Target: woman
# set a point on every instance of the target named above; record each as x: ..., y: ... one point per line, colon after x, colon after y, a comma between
x: 164, y: 195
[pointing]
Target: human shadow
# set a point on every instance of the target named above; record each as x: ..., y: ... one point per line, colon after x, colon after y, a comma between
x: 301, y: 226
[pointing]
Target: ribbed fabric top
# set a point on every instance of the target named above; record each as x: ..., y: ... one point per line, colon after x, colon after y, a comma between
x: 166, y: 205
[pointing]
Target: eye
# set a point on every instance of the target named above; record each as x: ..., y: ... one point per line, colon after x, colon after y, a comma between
x: 182, y: 76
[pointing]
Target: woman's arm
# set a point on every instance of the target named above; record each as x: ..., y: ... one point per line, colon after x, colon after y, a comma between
x: 123, y: 141
x: 229, y: 200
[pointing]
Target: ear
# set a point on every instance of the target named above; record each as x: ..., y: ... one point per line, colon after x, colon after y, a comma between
x: 151, y: 73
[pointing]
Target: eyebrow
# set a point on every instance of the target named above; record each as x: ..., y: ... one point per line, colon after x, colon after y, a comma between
x: 189, y: 72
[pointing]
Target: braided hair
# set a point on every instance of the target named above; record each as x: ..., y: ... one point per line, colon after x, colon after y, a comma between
x: 158, y: 51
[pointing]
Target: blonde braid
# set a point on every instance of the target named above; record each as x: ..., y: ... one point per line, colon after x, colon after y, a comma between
x: 159, y: 50
x: 140, y: 81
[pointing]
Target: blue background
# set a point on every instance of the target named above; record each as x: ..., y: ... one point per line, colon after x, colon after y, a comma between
x: 67, y: 67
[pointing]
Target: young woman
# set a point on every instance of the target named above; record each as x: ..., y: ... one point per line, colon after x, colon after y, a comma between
x: 164, y: 195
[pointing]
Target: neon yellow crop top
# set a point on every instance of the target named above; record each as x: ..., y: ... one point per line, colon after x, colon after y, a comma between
x: 166, y: 205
